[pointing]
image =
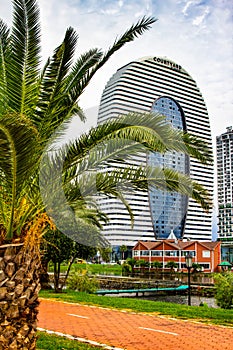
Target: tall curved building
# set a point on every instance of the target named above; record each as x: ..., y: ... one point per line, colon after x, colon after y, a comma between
x: 159, y: 84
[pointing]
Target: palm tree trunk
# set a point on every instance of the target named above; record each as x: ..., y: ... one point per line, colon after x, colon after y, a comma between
x: 19, y: 288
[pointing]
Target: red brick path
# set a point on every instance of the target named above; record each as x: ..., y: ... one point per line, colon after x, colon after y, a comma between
x: 127, y: 330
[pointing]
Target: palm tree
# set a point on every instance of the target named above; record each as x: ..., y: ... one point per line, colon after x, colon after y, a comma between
x: 123, y: 249
x: 142, y: 264
x: 196, y: 268
x: 157, y: 265
x: 45, y: 188
x: 172, y: 265
x: 131, y: 262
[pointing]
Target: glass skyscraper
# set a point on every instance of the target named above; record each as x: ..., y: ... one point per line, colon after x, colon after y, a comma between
x: 174, y: 205
x: 160, y: 85
x: 225, y: 192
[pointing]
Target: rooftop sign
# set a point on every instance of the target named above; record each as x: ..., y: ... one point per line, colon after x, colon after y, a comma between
x: 167, y: 63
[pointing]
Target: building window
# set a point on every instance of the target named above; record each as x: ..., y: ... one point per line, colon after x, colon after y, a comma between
x: 185, y: 252
x: 171, y: 253
x: 144, y: 253
x: 156, y: 253
x: 205, y: 265
x: 206, y: 254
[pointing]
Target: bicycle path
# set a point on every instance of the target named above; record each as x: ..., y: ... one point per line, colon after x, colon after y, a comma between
x: 115, y: 329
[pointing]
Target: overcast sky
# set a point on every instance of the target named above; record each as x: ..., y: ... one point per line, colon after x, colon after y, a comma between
x: 195, y: 34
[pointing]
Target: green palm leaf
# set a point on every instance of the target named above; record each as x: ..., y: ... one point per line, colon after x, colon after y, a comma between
x: 121, y: 138
x: 4, y: 51
x: 51, y: 104
x: 48, y: 99
x: 18, y: 142
x: 79, y: 78
x: 118, y: 182
x: 90, y: 62
x: 133, y: 32
x: 24, y: 63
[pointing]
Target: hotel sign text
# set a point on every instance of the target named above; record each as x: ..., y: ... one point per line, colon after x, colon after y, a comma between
x: 167, y: 63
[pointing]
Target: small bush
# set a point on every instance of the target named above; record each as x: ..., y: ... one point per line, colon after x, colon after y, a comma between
x: 202, y: 304
x: 82, y: 282
x: 224, y: 290
x: 126, y: 269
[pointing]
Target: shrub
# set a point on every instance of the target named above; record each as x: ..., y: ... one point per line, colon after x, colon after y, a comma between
x: 224, y: 290
x: 126, y: 268
x: 81, y: 282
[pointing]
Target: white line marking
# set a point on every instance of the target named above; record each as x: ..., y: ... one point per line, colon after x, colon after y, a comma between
x: 83, y: 340
x: 77, y: 316
x: 158, y: 330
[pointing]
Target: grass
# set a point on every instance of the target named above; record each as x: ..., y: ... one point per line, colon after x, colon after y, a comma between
x: 94, y: 269
x: 47, y: 341
x: 201, y: 313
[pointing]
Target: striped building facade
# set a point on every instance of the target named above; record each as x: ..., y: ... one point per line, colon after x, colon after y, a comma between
x: 160, y: 85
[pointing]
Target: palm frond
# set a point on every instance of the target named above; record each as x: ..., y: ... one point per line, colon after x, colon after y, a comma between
x: 120, y: 139
x: 132, y: 130
x: 51, y: 103
x: 132, y: 33
x: 79, y: 78
x: 118, y: 182
x: 89, y: 70
x: 197, y: 148
x: 25, y: 56
x: 4, y: 52
x: 18, y: 159
x: 170, y: 180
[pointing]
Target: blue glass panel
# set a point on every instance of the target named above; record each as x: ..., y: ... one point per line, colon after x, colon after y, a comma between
x: 168, y: 210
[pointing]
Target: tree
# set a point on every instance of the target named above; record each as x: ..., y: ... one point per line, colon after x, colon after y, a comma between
x: 49, y: 187
x: 196, y: 268
x: 131, y: 262
x: 172, y: 265
x: 142, y: 264
x: 224, y: 289
x: 157, y: 265
x: 105, y: 252
x: 58, y: 248
x: 123, y: 249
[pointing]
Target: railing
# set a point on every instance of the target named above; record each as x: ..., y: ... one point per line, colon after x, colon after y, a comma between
x: 179, y: 289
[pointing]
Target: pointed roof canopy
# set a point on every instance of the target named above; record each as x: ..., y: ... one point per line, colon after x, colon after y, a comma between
x: 224, y: 263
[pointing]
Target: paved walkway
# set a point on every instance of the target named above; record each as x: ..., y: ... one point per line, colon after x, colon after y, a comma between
x: 131, y: 331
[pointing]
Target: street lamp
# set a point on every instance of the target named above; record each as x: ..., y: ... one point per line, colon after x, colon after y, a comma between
x: 98, y: 257
x: 189, y: 263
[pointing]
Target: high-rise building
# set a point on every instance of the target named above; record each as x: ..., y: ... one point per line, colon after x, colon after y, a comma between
x: 225, y: 192
x: 160, y: 85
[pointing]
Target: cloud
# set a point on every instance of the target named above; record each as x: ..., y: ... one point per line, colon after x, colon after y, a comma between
x: 186, y: 7
x: 197, y: 21
x: 196, y: 34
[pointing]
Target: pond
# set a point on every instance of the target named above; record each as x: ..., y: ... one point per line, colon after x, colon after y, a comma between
x: 182, y: 299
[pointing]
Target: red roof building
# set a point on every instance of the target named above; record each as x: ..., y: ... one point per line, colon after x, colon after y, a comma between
x: 206, y: 254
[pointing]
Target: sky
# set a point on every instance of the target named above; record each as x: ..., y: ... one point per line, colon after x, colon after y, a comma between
x: 195, y: 34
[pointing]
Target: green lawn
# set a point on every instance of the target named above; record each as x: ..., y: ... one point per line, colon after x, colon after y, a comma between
x: 94, y: 269
x: 201, y: 313
x: 52, y: 342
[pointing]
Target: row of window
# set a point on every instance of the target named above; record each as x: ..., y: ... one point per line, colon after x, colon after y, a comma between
x: 205, y: 266
x: 173, y: 253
